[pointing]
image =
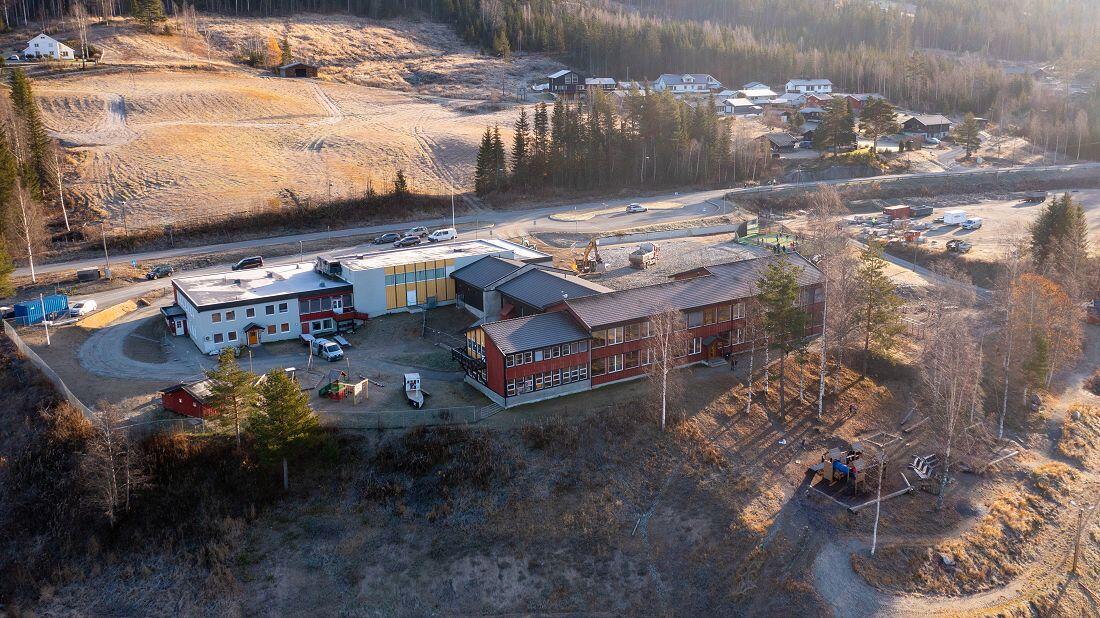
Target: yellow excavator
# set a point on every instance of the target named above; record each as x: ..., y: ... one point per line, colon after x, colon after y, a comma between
x: 590, y: 262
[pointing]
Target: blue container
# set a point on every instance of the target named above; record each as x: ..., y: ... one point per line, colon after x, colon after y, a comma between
x: 30, y: 312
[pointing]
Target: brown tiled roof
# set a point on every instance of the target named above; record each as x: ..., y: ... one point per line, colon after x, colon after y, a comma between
x: 722, y: 282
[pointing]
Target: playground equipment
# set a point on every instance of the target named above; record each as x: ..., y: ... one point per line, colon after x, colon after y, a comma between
x: 844, y: 465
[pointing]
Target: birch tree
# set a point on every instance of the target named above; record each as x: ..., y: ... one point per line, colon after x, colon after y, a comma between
x: 667, y: 345
x: 111, y: 464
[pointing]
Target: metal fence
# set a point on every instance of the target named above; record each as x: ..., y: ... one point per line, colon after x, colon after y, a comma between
x: 37, y: 361
x: 397, y: 419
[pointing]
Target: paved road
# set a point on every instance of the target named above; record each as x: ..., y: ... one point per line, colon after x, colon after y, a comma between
x: 611, y: 215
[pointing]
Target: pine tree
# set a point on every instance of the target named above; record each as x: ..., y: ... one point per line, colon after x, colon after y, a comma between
x: 501, y: 48
x: 499, y: 160
x: 148, y: 11
x: 7, y: 267
x: 877, y: 304
x: 1037, y: 364
x: 233, y: 393
x: 400, y: 184
x: 968, y: 135
x: 541, y: 140
x: 784, y: 319
x: 284, y: 426
x: 286, y: 56
x: 1060, y: 231
x: 483, y: 170
x: 879, y: 118
x: 520, y: 150
x: 37, y: 171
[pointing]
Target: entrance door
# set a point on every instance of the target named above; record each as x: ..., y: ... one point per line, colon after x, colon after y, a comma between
x: 410, y: 298
x: 179, y: 327
x: 337, y: 305
x: 253, y: 337
x: 712, y: 350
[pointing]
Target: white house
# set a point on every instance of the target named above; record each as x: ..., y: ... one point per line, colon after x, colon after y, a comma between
x: 810, y: 86
x: 43, y: 46
x: 687, y: 83
x: 741, y: 107
x: 758, y: 96
x: 754, y: 85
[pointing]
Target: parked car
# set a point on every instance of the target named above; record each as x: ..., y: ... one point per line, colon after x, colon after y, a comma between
x: 447, y: 233
x: 249, y: 263
x: 958, y: 246
x: 83, y: 307
x: 157, y: 272
x: 14, y: 57
x: 419, y: 230
x: 407, y: 241
x: 973, y: 223
x: 636, y: 207
x: 805, y: 144
x: 931, y: 141
x: 7, y: 312
x: 328, y: 350
x: 387, y: 238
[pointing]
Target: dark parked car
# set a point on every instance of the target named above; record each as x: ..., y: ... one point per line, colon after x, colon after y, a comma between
x: 249, y: 262
x: 387, y: 238
x: 160, y: 271
x: 407, y: 241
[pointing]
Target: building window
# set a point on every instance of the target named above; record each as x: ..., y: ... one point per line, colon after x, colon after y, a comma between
x: 696, y: 345
x: 528, y: 357
x: 695, y: 319
x: 230, y: 316
x: 284, y: 327
x: 510, y: 360
x: 271, y: 329
x: 710, y: 316
x: 283, y: 308
x: 740, y: 335
x: 632, y: 332
x: 599, y: 366
x: 250, y: 312
x: 269, y: 310
x: 218, y: 338
x: 614, y: 335
x: 538, y: 355
x: 724, y: 313
x: 599, y: 338
x: 216, y: 317
x: 232, y: 335
x: 615, y: 363
x: 631, y: 359
x: 738, y: 311
x: 511, y: 388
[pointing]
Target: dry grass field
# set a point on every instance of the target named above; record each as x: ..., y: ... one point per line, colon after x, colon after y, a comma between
x: 172, y: 130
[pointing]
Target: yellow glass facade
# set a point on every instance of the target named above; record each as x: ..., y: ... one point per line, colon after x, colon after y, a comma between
x: 416, y: 283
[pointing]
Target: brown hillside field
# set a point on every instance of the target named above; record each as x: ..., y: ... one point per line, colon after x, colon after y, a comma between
x: 171, y: 130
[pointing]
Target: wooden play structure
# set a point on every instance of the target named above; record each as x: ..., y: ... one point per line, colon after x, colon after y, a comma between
x: 839, y: 465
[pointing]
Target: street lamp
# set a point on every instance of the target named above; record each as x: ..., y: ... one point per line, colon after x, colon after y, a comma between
x: 106, y: 258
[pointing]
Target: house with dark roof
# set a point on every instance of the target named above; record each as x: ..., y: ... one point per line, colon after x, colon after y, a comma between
x: 687, y: 83
x: 928, y: 125
x: 779, y: 141
x: 191, y: 398
x: 565, y: 83
x: 603, y: 338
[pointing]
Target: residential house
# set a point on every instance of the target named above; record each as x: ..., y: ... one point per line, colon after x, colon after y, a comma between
x: 43, y: 46
x: 607, y: 84
x: 810, y: 86
x: 789, y: 99
x: 191, y: 398
x: 740, y: 107
x: 758, y: 96
x: 928, y: 125
x: 687, y: 83
x: 754, y: 85
x: 566, y: 83
x: 779, y: 142
x: 819, y: 100
x: 858, y: 101
x: 297, y: 69
x: 812, y: 113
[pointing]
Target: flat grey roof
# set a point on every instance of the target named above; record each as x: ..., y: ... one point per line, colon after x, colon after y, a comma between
x: 541, y: 288
x: 434, y: 251
x: 716, y: 284
x: 255, y: 285
x: 534, y: 331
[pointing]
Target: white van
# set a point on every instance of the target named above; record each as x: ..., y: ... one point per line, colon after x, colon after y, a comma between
x: 447, y: 233
x: 973, y: 223
x: 328, y: 350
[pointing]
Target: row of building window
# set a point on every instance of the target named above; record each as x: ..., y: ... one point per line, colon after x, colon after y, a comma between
x: 556, y: 351
x: 643, y: 330
x: 326, y: 303
x: 250, y: 312
x: 420, y: 275
x: 547, y: 379
x: 231, y: 336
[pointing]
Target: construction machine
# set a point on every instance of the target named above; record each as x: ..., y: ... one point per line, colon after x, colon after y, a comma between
x: 590, y: 262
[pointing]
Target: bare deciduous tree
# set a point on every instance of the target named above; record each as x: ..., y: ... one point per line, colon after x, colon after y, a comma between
x: 667, y: 343
x: 111, y: 464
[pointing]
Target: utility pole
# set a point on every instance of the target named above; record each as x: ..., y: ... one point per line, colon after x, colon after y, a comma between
x: 46, y: 325
x: 1080, y: 530
x: 106, y: 258
x: 824, y: 350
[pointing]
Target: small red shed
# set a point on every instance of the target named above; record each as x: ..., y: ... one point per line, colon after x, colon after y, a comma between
x: 189, y: 399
